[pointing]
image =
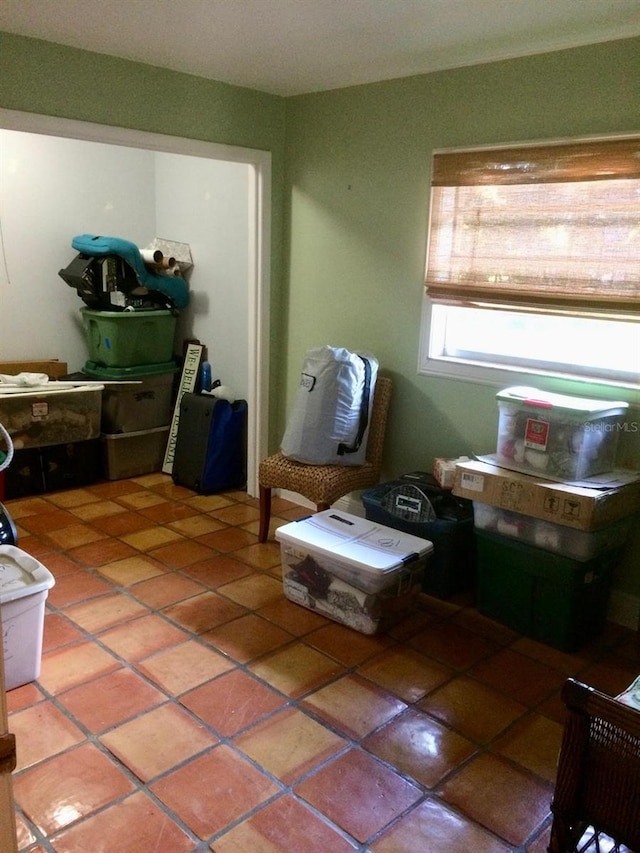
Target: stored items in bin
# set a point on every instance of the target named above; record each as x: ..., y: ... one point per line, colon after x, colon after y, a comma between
x: 55, y: 415
x: 542, y: 595
x: 557, y: 436
x: 577, y: 544
x: 131, y: 454
x: 211, y: 445
x: 353, y: 571
x: 24, y: 586
x: 452, y: 566
x: 562, y: 503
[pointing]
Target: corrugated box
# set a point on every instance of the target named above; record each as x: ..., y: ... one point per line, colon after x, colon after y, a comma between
x: 561, y: 503
x: 359, y: 573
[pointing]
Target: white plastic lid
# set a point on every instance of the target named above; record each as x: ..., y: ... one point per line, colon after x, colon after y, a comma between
x: 370, y: 547
x: 585, y: 406
x: 21, y: 574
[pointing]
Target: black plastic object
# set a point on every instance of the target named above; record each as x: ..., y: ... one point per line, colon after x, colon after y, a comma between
x: 8, y: 532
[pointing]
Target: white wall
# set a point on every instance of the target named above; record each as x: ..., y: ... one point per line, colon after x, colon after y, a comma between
x: 54, y: 188
x: 206, y: 203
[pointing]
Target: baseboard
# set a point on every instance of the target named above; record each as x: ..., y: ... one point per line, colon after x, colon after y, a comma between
x: 294, y: 497
x: 349, y: 503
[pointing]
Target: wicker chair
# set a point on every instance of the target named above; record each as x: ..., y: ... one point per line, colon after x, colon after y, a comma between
x: 596, y: 802
x: 324, y: 484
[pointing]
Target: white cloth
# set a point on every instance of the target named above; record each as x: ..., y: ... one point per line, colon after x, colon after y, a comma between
x: 24, y: 379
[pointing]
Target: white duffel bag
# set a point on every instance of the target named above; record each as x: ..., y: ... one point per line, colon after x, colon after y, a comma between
x: 329, y: 421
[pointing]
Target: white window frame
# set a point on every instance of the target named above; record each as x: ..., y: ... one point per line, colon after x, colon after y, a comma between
x: 502, y: 375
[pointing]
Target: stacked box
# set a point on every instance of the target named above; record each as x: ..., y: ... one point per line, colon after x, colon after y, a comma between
x: 144, y: 400
x: 353, y: 571
x: 129, y: 338
x: 572, y: 506
x: 576, y: 544
x: 131, y: 454
x: 55, y: 415
x: 36, y: 470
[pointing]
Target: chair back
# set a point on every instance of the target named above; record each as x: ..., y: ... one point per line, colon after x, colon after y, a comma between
x: 378, y: 423
x: 598, y: 771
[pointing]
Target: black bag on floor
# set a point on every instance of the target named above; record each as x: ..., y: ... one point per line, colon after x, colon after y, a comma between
x: 211, y: 445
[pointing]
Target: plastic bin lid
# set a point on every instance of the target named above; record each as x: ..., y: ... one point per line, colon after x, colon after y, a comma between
x: 584, y: 406
x: 370, y: 547
x: 21, y: 574
x: 139, y: 371
x: 142, y: 312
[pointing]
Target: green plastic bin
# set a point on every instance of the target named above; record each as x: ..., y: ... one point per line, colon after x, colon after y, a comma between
x: 546, y: 596
x: 129, y: 338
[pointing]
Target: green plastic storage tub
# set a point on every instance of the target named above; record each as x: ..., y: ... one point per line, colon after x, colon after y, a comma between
x: 126, y: 338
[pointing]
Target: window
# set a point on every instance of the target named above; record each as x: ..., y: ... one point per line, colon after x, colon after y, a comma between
x: 533, y: 263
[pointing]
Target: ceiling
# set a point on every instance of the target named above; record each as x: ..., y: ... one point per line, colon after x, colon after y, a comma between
x: 290, y: 47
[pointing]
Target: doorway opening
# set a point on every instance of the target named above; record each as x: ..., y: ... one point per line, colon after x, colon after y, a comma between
x: 255, y: 343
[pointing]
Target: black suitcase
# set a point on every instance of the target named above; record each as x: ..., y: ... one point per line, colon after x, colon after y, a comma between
x: 211, y: 444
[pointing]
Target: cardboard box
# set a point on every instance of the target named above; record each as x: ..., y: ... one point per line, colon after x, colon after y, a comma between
x: 574, y: 506
x: 52, y: 367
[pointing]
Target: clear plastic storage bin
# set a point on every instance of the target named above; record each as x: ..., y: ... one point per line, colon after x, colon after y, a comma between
x: 557, y: 436
x: 364, y: 575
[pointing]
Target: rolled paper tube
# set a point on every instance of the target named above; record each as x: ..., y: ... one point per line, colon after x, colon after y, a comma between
x: 164, y: 264
x: 151, y: 256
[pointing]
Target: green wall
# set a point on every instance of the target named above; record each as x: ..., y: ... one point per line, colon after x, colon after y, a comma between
x: 350, y: 194
x: 358, y: 164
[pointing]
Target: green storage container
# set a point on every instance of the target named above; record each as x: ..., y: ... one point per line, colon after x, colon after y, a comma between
x: 543, y: 595
x: 143, y: 401
x: 129, y: 338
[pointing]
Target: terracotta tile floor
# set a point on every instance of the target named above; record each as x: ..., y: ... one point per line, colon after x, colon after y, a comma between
x: 185, y: 705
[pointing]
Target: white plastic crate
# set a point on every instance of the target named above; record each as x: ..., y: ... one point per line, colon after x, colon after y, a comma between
x: 24, y: 587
